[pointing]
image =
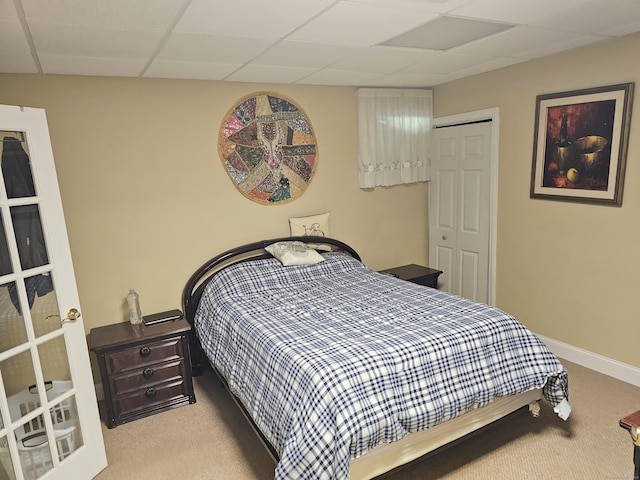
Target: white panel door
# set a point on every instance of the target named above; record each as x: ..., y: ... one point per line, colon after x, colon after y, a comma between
x: 459, y: 208
x: 49, y: 422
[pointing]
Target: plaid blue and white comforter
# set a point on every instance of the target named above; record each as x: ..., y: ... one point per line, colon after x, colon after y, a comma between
x: 334, y: 359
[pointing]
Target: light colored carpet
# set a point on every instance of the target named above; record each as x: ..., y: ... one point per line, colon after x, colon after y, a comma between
x: 211, y: 440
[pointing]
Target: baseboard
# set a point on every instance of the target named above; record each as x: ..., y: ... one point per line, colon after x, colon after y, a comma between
x: 613, y: 368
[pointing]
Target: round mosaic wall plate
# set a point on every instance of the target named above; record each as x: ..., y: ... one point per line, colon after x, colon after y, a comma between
x: 268, y: 148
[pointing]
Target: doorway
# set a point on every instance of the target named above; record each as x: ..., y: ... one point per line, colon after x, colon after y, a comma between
x: 463, y: 200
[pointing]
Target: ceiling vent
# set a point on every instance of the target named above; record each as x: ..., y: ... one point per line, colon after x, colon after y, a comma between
x: 447, y: 32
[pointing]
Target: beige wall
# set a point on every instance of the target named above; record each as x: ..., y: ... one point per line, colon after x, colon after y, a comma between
x: 147, y: 200
x: 566, y: 270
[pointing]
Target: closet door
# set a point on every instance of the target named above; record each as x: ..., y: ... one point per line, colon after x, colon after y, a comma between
x: 459, y: 208
x: 49, y: 422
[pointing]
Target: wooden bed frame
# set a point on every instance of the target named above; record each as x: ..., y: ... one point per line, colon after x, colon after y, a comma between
x: 385, y: 457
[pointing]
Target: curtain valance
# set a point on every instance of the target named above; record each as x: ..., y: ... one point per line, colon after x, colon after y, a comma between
x: 393, y: 130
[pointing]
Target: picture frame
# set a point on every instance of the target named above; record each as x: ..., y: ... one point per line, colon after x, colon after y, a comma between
x: 580, y: 144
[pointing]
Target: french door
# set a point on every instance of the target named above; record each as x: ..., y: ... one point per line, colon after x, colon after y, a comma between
x: 49, y: 422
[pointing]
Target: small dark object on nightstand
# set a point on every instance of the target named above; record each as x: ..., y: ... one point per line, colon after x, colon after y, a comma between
x: 168, y: 316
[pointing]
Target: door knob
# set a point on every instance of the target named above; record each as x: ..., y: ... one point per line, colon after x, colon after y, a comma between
x: 444, y: 237
x: 72, y: 315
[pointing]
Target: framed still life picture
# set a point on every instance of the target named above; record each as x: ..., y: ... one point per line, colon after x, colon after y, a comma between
x: 580, y: 144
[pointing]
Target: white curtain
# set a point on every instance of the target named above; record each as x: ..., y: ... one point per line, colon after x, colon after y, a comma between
x: 393, y: 130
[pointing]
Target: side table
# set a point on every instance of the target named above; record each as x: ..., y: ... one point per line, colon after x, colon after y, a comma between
x: 416, y: 274
x: 144, y: 369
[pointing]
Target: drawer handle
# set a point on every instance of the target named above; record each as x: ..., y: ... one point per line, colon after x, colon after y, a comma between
x: 147, y: 372
x: 145, y: 351
x: 151, y: 392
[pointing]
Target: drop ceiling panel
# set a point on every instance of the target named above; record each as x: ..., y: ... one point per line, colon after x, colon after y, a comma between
x: 515, y: 11
x: 340, y: 77
x: 383, y: 59
x: 101, y: 13
x: 193, y: 70
x: 407, y: 80
x: 12, y: 41
x: 17, y: 64
x: 269, y: 74
x: 359, y: 25
x: 559, y: 44
x: 432, y: 6
x: 488, y: 66
x: 518, y: 41
x: 448, y: 62
x: 596, y: 18
x: 209, y: 48
x: 94, y: 42
x: 108, y: 67
x: 8, y: 10
x: 304, y: 54
x: 252, y: 18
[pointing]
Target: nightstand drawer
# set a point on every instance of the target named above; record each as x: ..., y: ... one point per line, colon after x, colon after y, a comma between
x: 148, y: 376
x: 144, y: 354
x: 147, y: 398
x: 144, y: 369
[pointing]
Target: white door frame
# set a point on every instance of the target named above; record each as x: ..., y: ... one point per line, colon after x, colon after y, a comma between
x: 492, y: 114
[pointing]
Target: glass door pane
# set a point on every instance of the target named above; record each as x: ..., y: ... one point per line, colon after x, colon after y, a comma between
x: 38, y: 394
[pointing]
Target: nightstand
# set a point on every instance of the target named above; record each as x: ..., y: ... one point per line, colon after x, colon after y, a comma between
x: 144, y: 369
x: 416, y: 274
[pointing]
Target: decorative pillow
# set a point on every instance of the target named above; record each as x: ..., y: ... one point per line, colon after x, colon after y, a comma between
x: 294, y: 253
x: 311, y: 226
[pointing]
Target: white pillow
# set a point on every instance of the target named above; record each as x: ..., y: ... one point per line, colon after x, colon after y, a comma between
x: 294, y: 253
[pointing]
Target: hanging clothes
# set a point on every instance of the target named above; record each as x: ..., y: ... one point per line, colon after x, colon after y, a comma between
x: 16, y: 169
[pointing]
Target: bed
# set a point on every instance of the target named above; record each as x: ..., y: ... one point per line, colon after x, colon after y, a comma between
x: 345, y: 372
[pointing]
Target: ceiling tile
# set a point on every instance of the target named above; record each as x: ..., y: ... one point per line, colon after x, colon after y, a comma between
x: 17, y: 64
x: 101, y: 13
x: 108, y: 67
x: 490, y: 65
x: 433, y: 6
x: 94, y: 42
x: 383, y: 59
x: 272, y: 19
x: 518, y: 40
x: 375, y: 25
x: 304, y: 54
x: 8, y: 10
x: 448, y: 62
x: 12, y: 39
x: 209, y: 48
x: 517, y: 11
x: 269, y: 74
x: 560, y: 44
x: 195, y: 70
x: 405, y: 80
x: 339, y: 77
x: 597, y: 18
